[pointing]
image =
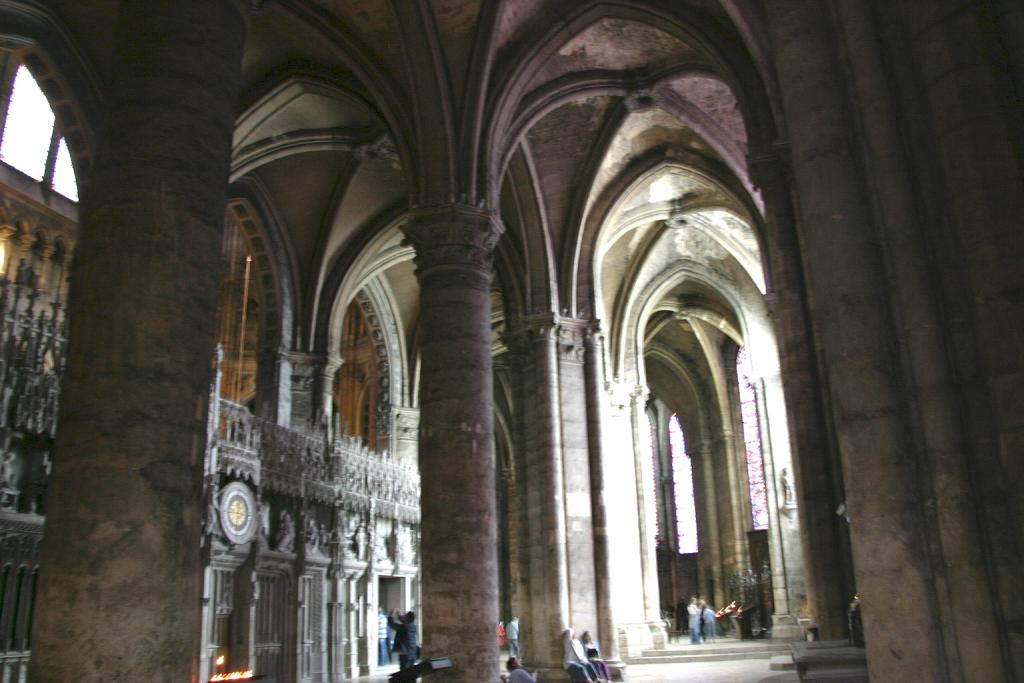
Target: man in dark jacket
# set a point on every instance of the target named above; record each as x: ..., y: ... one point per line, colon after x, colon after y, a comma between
x: 405, y: 637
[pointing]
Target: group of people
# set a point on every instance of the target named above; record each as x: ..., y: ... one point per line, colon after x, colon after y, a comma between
x: 396, y: 632
x: 583, y: 658
x: 509, y: 636
x: 702, y: 621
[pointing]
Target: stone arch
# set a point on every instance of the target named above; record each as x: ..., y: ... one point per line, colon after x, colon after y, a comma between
x: 583, y: 269
x: 275, y: 262
x: 385, y: 92
x: 273, y: 270
x: 733, y: 66
x: 354, y: 279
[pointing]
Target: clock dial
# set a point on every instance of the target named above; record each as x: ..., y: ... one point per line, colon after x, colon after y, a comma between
x: 238, y: 512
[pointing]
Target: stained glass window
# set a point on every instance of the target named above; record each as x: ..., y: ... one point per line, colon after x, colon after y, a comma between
x: 682, y: 476
x: 752, y: 441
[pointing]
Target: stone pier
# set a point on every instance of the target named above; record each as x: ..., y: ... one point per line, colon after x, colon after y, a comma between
x: 120, y: 578
x: 454, y: 251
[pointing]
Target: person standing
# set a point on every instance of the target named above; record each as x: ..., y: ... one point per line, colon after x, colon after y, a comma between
x: 694, y: 612
x: 383, y: 654
x: 405, y: 637
x: 707, y: 622
x: 512, y: 633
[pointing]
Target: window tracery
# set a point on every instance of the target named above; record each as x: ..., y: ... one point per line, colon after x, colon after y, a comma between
x: 682, y: 477
x: 30, y: 141
x: 752, y: 441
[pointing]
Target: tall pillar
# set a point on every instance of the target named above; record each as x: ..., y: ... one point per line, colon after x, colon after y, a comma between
x: 454, y: 251
x: 594, y: 373
x: 544, y: 545
x: 312, y: 382
x: 783, y: 528
x: 644, y: 471
x: 579, y: 530
x: 849, y: 304
x: 120, y: 579
x: 818, y: 481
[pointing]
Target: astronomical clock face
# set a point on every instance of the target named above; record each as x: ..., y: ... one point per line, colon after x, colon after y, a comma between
x: 238, y: 512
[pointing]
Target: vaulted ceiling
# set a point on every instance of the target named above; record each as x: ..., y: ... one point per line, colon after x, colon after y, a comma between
x: 587, y: 124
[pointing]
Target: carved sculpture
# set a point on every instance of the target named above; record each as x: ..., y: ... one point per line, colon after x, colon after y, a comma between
x: 285, y: 533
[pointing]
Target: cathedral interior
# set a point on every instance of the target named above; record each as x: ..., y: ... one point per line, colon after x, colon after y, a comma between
x: 560, y: 309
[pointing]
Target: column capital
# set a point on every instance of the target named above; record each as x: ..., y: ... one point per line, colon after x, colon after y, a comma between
x: 453, y: 235
x: 313, y: 361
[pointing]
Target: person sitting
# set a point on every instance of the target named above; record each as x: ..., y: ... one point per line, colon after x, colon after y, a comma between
x: 593, y: 652
x: 576, y: 663
x: 518, y: 674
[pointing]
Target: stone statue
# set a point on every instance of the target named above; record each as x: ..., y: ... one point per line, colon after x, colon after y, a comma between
x: 212, y: 524
x: 788, y: 493
x: 8, y: 491
x: 312, y: 534
x: 404, y: 546
x: 285, y: 532
x: 7, y: 472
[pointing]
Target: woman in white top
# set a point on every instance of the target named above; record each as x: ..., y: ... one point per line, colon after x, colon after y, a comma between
x: 580, y: 670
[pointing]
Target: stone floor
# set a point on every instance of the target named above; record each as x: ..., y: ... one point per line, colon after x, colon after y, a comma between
x: 740, y: 671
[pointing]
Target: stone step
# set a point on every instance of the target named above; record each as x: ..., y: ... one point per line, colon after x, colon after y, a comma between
x: 782, y: 663
x: 788, y: 677
x: 664, y: 658
x: 762, y: 649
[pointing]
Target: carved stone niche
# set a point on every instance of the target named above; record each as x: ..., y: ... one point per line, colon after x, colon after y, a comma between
x: 571, y: 337
x: 407, y: 423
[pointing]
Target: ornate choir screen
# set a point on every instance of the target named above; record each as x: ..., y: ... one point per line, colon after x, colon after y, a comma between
x: 33, y: 257
x: 298, y: 533
x: 298, y: 528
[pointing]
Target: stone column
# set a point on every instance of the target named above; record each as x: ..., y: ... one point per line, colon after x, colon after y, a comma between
x: 710, y: 565
x: 971, y: 121
x: 543, y: 496
x: 824, y: 538
x: 783, y: 528
x: 405, y: 435
x: 454, y: 251
x: 120, y: 582
x: 273, y: 385
x: 730, y: 473
x: 594, y: 374
x: 644, y: 471
x: 849, y: 305
x: 311, y: 383
x: 579, y: 534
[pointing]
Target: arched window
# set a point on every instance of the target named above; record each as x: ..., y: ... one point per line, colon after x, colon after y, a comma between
x: 682, y: 477
x: 238, y: 317
x: 752, y: 441
x: 29, y: 141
